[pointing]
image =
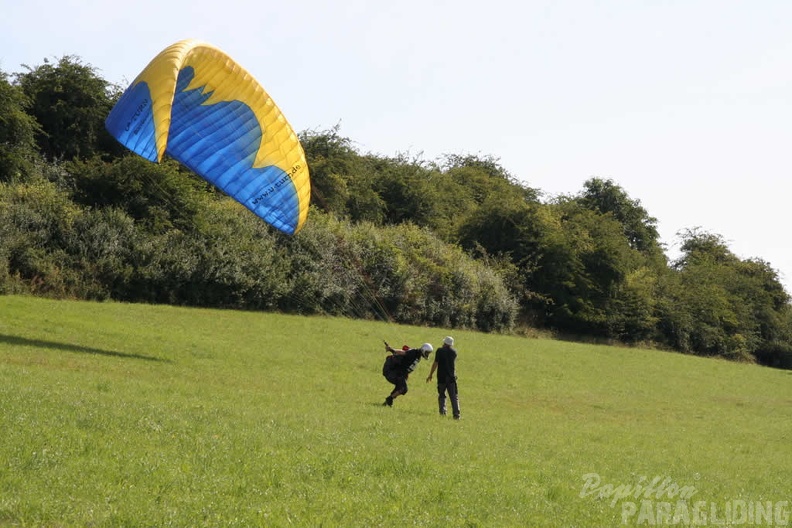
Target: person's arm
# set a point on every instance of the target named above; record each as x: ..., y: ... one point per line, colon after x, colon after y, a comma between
x: 395, y: 351
x: 431, y: 372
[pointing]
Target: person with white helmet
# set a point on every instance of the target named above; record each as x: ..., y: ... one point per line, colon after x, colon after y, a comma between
x: 445, y: 365
x: 398, y: 366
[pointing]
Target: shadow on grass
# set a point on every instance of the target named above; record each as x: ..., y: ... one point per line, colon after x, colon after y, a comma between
x: 402, y: 410
x: 38, y: 343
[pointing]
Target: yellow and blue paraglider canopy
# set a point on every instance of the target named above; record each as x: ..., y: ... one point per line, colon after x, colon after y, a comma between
x: 198, y: 106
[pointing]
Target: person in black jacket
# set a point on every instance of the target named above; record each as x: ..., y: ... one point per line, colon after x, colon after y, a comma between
x: 445, y: 365
x: 398, y: 366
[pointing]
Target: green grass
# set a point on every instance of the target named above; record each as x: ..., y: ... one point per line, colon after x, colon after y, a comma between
x: 135, y: 415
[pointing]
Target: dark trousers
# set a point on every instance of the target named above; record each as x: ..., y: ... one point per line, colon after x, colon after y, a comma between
x: 449, y: 386
x: 400, y: 382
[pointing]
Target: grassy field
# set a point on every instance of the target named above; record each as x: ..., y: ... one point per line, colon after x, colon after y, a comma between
x: 134, y: 415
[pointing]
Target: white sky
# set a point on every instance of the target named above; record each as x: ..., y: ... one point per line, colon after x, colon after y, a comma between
x: 686, y: 104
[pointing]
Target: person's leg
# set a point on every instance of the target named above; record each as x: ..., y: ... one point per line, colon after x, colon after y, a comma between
x: 394, y: 379
x: 389, y: 399
x: 441, y: 390
x: 399, y: 389
x: 454, y: 397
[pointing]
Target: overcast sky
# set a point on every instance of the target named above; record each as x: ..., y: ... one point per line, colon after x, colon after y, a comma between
x: 687, y: 105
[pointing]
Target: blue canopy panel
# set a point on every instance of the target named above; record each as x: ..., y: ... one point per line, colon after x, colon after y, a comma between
x: 219, y: 142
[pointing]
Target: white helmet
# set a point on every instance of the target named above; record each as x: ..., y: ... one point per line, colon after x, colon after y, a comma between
x: 426, y: 347
x: 448, y: 341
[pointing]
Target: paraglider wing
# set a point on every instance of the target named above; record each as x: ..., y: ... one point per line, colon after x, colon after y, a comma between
x: 197, y: 105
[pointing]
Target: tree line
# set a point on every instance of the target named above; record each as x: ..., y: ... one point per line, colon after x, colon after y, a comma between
x: 456, y: 242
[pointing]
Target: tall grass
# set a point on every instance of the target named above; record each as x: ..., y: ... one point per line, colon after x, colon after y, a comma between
x: 138, y: 415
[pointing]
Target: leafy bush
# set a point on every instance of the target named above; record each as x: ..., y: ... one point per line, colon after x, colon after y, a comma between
x: 400, y: 273
x: 35, y: 222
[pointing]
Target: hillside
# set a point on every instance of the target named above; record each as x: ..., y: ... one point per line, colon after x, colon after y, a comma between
x: 123, y: 414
